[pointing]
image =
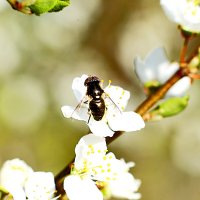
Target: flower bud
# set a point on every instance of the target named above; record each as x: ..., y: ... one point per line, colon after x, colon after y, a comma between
x: 38, y: 7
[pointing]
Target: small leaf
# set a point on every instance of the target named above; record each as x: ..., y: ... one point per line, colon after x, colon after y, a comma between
x: 60, y: 5
x: 169, y: 107
x: 42, y: 6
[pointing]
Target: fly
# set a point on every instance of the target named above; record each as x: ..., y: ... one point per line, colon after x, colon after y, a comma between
x: 95, y: 92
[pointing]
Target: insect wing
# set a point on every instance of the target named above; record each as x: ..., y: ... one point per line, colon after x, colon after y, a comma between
x: 81, y: 110
x: 116, y: 97
x: 111, y: 105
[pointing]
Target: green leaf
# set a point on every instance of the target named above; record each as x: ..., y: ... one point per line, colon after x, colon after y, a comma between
x: 170, y: 107
x: 42, y: 6
x: 60, y: 5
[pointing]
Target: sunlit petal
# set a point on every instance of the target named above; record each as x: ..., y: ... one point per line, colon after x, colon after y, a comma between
x: 125, y: 186
x: 90, y: 148
x: 40, y: 185
x: 79, y: 88
x: 185, y: 13
x: 79, y: 189
x: 117, y: 97
x: 72, y: 112
x: 100, y: 128
x: 126, y: 121
x: 179, y: 88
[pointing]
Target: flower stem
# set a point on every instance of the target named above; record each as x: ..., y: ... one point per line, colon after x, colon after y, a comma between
x: 184, y: 50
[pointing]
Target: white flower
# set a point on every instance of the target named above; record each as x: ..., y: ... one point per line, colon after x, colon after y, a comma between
x: 114, y: 118
x: 13, y: 175
x: 156, y: 69
x: 183, y: 12
x: 125, y: 186
x: 95, y: 171
x: 40, y: 185
x: 78, y: 189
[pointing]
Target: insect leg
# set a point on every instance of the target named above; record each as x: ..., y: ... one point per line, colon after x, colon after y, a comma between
x: 89, y: 118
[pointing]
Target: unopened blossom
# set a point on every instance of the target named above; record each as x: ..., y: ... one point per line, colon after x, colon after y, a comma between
x: 96, y: 170
x: 114, y: 118
x: 13, y: 175
x: 40, y: 185
x: 185, y: 13
x: 156, y: 69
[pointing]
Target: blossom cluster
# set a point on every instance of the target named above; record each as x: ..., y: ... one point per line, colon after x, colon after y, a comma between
x: 20, y: 182
x: 114, y: 119
x: 95, y: 173
x: 99, y: 175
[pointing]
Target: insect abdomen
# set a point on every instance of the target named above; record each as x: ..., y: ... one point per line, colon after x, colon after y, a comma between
x: 97, y: 108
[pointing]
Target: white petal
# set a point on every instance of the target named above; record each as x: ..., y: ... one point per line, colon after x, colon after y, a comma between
x: 166, y: 70
x: 90, y: 148
x: 125, y: 186
x: 179, y: 88
x: 72, y: 112
x: 117, y: 97
x: 170, y: 9
x: 78, y: 189
x: 100, y: 128
x: 14, y: 171
x: 16, y: 191
x: 185, y: 13
x: 40, y: 185
x: 126, y: 121
x: 148, y: 69
x: 79, y: 88
x: 144, y: 73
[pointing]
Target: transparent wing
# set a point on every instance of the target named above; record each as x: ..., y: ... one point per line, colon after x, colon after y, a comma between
x: 117, y: 96
x: 111, y: 105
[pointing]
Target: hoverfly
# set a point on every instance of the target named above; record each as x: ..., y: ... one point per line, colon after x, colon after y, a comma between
x: 95, y: 98
x: 94, y: 92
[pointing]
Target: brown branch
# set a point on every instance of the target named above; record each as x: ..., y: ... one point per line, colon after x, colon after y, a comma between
x: 142, y: 109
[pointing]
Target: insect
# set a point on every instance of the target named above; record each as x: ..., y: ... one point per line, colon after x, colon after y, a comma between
x: 95, y: 93
x: 95, y: 98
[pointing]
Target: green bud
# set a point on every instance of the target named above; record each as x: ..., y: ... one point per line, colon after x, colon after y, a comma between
x: 38, y: 7
x: 169, y: 107
x: 151, y: 86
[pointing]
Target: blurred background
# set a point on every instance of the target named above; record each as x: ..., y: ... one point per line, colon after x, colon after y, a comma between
x: 40, y: 56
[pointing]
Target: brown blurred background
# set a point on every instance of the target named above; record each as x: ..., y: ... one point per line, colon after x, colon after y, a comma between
x: 39, y: 58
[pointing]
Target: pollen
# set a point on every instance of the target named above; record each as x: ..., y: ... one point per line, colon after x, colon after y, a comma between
x: 110, y: 157
x: 107, y: 178
x: 108, y: 170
